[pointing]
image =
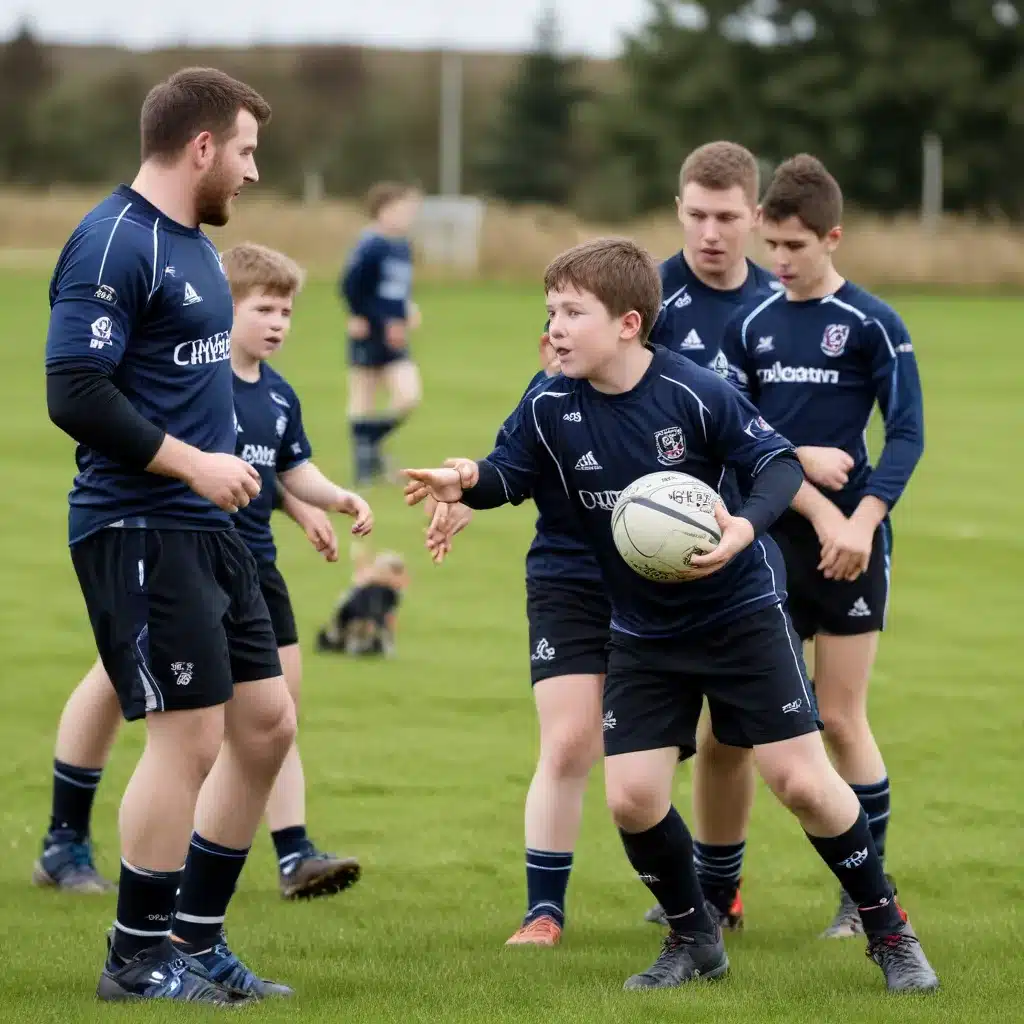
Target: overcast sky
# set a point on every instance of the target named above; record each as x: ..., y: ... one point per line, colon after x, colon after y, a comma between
x: 588, y: 26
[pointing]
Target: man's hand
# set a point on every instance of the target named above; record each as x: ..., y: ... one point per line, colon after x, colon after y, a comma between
x: 358, y: 328
x: 846, y: 550
x: 319, y: 531
x: 226, y: 480
x: 737, y: 533
x: 827, y: 467
x: 443, y: 485
x: 445, y: 521
x: 351, y: 504
x: 395, y: 335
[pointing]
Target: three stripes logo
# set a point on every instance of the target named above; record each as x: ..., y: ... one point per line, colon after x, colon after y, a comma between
x: 588, y: 462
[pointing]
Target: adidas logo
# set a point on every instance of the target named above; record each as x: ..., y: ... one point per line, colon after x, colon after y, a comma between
x: 191, y: 295
x: 860, y: 609
x: 691, y: 342
x: 766, y: 344
x: 588, y: 462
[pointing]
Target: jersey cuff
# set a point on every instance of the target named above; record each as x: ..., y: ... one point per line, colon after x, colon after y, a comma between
x: 490, y: 490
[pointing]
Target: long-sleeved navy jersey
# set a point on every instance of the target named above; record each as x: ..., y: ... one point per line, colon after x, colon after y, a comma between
x: 272, y: 440
x: 557, y: 550
x: 693, y: 316
x: 815, y: 370
x: 679, y: 416
x: 377, y: 280
x: 144, y: 300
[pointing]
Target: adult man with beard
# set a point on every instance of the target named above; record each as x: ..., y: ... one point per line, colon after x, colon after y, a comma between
x: 138, y: 373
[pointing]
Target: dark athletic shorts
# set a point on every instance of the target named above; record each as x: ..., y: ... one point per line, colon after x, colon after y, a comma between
x: 279, y: 604
x: 836, y: 607
x: 569, y: 622
x: 751, y: 670
x: 178, y: 615
x: 373, y: 353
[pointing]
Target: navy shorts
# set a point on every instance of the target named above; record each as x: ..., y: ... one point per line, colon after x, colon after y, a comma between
x: 833, y: 607
x: 751, y: 671
x: 179, y: 616
x: 279, y: 604
x: 568, y: 622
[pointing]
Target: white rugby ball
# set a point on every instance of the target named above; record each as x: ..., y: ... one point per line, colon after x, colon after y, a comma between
x: 661, y: 521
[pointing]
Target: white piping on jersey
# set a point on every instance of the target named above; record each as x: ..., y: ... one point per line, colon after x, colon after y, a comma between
x: 110, y: 238
x: 540, y: 433
x: 696, y: 397
x: 504, y: 484
x: 152, y: 286
x: 765, y: 459
x: 674, y: 296
x: 775, y: 296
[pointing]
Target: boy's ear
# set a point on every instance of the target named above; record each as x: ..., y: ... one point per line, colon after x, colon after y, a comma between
x: 632, y: 323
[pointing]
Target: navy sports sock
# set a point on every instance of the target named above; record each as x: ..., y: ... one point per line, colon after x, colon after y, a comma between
x: 73, y: 791
x: 290, y: 844
x: 874, y: 798
x: 663, y: 858
x: 853, y: 859
x: 718, y: 869
x: 547, y: 876
x: 364, y: 447
x: 145, y: 903
x: 207, y: 885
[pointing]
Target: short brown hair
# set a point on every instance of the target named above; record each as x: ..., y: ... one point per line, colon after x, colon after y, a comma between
x: 191, y: 101
x: 720, y: 166
x: 251, y: 267
x: 617, y: 271
x: 802, y: 187
x: 386, y: 192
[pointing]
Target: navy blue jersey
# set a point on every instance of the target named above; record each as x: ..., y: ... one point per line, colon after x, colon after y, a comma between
x: 145, y: 300
x: 679, y: 416
x: 815, y: 370
x: 377, y: 280
x: 693, y: 315
x: 558, y: 550
x: 272, y: 440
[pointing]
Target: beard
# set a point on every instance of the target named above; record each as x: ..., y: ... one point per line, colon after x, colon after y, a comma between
x: 213, y: 196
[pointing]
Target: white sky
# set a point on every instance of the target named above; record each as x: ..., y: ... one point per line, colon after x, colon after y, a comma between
x: 588, y: 26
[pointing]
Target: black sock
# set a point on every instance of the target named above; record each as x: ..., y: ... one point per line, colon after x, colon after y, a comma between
x: 663, y: 858
x: 73, y: 791
x: 207, y: 885
x: 145, y: 903
x: 718, y: 869
x: 386, y: 424
x: 290, y: 843
x: 853, y: 859
x: 547, y: 877
x: 874, y: 798
x: 364, y: 447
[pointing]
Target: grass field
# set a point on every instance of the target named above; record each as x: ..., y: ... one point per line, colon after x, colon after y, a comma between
x: 420, y: 765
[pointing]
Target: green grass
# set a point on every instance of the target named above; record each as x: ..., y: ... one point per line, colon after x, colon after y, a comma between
x: 420, y: 766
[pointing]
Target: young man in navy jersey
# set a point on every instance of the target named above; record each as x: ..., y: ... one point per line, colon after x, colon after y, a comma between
x: 568, y: 615
x: 815, y: 360
x: 376, y: 284
x: 702, y: 286
x: 724, y: 635
x: 138, y: 373
x: 270, y: 437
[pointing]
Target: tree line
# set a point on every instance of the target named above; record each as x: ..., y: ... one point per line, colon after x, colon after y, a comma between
x: 857, y: 82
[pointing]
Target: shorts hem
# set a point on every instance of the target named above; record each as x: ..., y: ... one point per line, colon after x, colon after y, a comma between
x: 686, y: 750
x: 583, y: 666
x: 774, y: 736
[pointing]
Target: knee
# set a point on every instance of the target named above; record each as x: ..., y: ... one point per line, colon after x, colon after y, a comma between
x: 635, y: 805
x: 188, y: 740
x: 269, y: 736
x: 799, y: 788
x: 571, y: 753
x: 843, y: 726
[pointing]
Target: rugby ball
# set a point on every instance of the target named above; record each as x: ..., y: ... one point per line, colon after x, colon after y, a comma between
x: 661, y: 521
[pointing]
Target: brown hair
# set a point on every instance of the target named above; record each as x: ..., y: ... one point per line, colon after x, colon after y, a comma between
x: 384, y: 193
x: 191, y: 101
x: 720, y: 166
x: 617, y: 271
x: 250, y: 267
x: 802, y: 187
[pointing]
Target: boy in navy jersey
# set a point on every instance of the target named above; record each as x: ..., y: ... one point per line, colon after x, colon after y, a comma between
x: 568, y: 615
x: 137, y: 372
x: 724, y: 635
x: 816, y: 360
x: 702, y: 286
x: 376, y: 284
x: 270, y: 437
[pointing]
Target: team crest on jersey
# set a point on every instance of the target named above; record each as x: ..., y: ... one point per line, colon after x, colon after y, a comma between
x: 720, y: 364
x: 280, y: 425
x: 279, y: 399
x: 833, y: 342
x: 759, y: 429
x: 671, y: 445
